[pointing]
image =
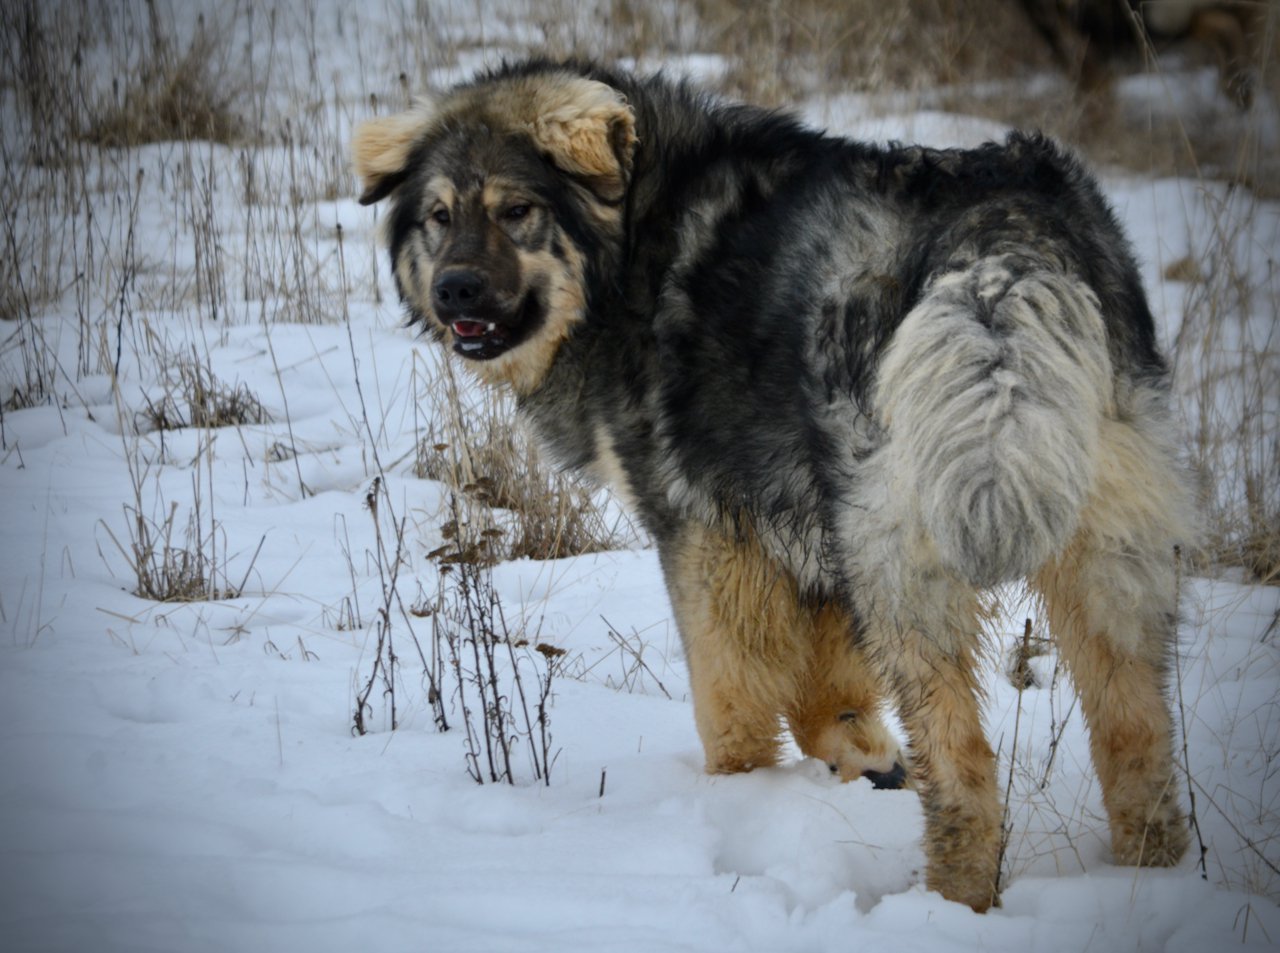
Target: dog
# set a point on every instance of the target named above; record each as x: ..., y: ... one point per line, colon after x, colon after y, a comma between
x: 1088, y: 37
x: 846, y: 388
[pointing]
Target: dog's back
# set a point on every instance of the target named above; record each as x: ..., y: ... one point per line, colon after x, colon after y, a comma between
x: 982, y: 308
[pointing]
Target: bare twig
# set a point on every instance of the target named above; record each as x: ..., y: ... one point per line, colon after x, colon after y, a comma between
x: 1193, y: 819
x: 1006, y: 824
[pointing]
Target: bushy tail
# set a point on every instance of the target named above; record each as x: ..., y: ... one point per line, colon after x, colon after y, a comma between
x: 993, y: 390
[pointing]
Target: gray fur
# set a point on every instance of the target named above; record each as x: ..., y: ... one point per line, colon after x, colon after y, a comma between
x: 905, y: 374
x: 992, y: 390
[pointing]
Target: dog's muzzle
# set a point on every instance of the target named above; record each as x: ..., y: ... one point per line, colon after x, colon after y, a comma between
x: 482, y: 329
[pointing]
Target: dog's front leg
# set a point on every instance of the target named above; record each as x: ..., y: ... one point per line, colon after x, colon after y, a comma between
x: 743, y: 640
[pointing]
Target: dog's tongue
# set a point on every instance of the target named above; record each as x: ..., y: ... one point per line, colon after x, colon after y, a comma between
x: 470, y: 329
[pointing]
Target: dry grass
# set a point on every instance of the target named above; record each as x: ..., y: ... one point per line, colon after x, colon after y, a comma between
x: 170, y: 564
x: 553, y: 516
x: 1169, y: 130
x: 1228, y: 375
x: 161, y: 88
x: 781, y: 51
x: 193, y: 396
x: 173, y: 93
x: 983, y: 57
x: 481, y: 452
x: 175, y: 552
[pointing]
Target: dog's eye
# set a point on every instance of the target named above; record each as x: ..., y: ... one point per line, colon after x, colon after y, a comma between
x: 513, y: 213
x: 440, y: 216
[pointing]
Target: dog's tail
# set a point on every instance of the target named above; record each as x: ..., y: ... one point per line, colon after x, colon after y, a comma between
x: 993, y: 391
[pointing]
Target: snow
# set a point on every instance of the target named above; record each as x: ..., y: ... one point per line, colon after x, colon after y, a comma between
x: 185, y: 777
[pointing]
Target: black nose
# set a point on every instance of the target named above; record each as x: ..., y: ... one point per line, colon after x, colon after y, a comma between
x: 458, y: 288
x: 887, y: 780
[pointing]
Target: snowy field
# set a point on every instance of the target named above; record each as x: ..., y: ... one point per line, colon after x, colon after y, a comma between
x: 185, y: 776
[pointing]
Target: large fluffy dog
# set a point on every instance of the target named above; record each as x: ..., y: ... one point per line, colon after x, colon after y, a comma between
x: 846, y: 388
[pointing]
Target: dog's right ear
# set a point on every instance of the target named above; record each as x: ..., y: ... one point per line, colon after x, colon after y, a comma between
x: 380, y: 150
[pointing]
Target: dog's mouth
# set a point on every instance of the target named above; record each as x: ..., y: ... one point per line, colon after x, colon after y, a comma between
x: 478, y: 338
x: 483, y: 338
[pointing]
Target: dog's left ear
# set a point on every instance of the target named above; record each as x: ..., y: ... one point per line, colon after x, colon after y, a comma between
x: 589, y: 130
x: 380, y: 150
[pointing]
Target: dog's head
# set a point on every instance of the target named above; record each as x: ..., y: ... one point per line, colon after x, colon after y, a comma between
x: 503, y: 192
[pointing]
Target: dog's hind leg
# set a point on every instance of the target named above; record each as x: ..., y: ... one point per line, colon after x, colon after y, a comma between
x: 922, y: 632
x: 921, y: 625
x: 990, y: 396
x: 1110, y: 599
x: 743, y: 640
x: 836, y: 715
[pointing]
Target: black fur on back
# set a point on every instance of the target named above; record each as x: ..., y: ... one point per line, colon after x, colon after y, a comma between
x: 784, y: 259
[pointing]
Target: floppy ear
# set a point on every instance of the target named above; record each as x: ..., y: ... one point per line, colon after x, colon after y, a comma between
x: 589, y: 130
x: 380, y: 150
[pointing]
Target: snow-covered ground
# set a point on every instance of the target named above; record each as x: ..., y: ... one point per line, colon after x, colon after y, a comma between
x: 185, y: 777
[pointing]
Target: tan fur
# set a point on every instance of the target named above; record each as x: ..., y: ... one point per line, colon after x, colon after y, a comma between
x: 835, y: 714
x: 416, y: 282
x: 589, y: 129
x: 380, y: 147
x: 756, y: 651
x: 586, y: 127
x: 925, y: 648
x: 1108, y: 599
